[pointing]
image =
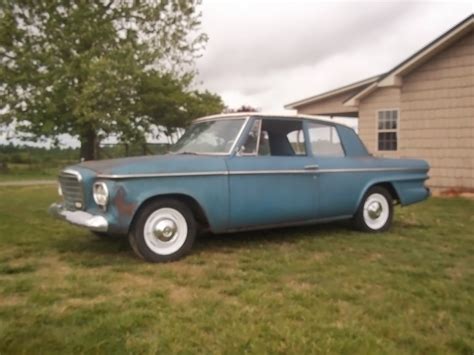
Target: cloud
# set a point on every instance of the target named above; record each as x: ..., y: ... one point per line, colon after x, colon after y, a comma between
x: 288, y: 34
x: 268, y: 53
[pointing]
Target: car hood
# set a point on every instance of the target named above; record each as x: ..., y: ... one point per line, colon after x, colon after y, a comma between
x: 155, y: 164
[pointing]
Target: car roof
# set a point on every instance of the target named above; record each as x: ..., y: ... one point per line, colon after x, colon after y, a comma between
x: 268, y: 114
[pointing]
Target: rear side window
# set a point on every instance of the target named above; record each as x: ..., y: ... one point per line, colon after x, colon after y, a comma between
x: 296, y: 139
x: 324, y: 140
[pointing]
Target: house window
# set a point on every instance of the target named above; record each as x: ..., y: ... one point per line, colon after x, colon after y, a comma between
x: 387, y: 130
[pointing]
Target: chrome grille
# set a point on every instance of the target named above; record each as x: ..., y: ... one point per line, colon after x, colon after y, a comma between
x: 71, y: 186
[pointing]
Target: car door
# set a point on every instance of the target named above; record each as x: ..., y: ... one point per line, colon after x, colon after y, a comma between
x: 271, y: 178
x: 339, y: 182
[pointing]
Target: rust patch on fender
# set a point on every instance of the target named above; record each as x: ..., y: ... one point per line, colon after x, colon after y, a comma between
x: 123, y: 207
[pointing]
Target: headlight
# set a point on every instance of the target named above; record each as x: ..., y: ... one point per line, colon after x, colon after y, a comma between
x: 100, y: 193
x: 60, y: 191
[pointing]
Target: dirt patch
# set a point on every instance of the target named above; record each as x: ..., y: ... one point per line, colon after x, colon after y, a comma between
x: 299, y: 285
x: 179, y: 294
x: 294, y: 284
x: 73, y: 303
x: 189, y: 270
x: 318, y: 256
x: 128, y: 283
x: 456, y: 192
x: 52, y: 268
x: 374, y: 257
x: 455, y: 273
x: 11, y: 301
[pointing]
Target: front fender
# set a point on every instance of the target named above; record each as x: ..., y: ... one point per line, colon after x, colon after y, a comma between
x: 210, y: 192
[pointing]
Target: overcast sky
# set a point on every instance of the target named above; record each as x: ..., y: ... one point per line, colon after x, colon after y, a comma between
x: 268, y: 53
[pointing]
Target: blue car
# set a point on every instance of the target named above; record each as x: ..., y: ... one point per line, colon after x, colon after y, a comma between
x: 239, y: 172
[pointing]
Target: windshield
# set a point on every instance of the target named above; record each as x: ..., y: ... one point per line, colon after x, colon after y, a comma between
x: 209, y: 137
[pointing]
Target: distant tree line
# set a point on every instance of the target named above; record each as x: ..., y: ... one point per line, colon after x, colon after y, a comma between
x: 26, y: 155
x: 12, y: 154
x: 243, y: 108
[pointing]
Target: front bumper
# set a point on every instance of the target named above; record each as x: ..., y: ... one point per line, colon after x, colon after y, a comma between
x: 79, y: 218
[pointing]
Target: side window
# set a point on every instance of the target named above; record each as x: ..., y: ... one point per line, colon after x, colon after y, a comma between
x: 283, y: 137
x: 275, y: 137
x: 387, y: 123
x: 296, y: 139
x: 251, y: 144
x: 324, y: 140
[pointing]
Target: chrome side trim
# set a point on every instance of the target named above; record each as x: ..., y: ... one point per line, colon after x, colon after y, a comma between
x: 319, y: 171
x: 270, y: 172
x: 358, y: 170
x: 154, y: 175
x: 256, y: 172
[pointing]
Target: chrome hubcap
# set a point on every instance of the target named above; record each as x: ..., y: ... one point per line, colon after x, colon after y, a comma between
x: 165, y: 229
x: 374, y: 210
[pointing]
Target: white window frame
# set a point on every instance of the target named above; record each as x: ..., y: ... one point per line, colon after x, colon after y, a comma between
x: 396, y: 130
x: 259, y: 120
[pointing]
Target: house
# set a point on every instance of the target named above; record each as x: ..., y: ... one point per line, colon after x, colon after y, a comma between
x: 422, y: 108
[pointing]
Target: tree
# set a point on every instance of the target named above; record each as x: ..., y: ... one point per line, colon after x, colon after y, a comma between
x: 80, y: 67
x: 243, y: 108
x: 167, y: 102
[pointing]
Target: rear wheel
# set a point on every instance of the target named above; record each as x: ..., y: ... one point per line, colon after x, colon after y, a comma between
x: 375, y: 213
x: 164, y: 230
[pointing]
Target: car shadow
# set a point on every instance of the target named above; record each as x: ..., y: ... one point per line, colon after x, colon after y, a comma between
x: 91, y: 250
x: 284, y: 235
x: 116, y: 248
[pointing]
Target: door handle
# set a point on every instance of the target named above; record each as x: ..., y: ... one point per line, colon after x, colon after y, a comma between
x: 311, y: 167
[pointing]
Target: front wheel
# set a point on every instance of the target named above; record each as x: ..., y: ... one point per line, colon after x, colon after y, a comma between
x: 375, y: 213
x: 164, y: 231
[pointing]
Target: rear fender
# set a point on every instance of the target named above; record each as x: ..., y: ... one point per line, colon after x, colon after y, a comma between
x: 410, y: 189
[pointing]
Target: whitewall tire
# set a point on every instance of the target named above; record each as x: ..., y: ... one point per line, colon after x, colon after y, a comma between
x: 164, y: 230
x: 375, y: 213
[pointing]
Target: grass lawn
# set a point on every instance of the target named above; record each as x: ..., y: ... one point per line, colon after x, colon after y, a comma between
x: 302, y: 290
x: 21, y: 172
